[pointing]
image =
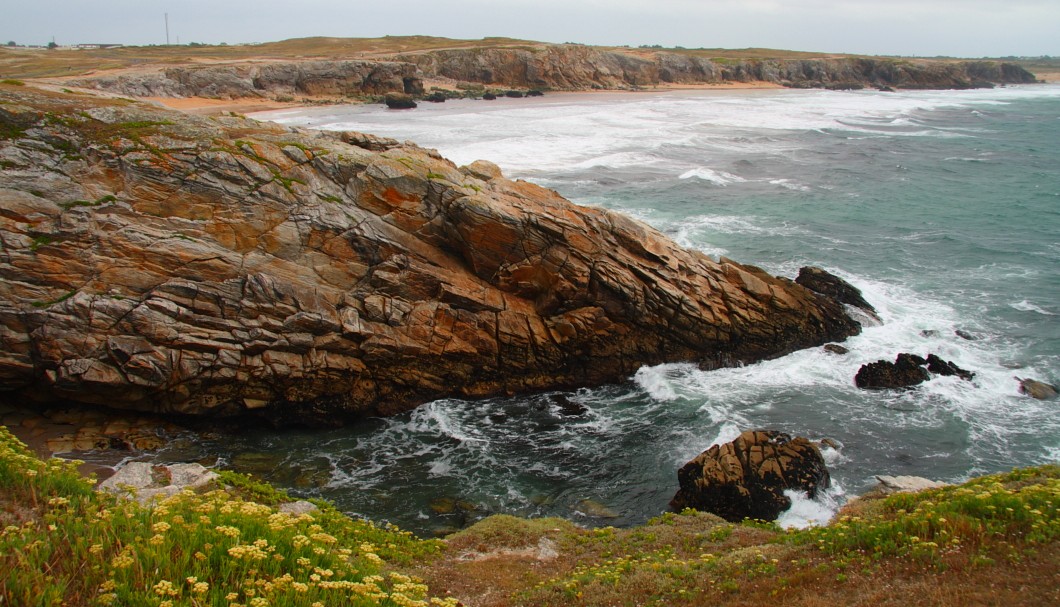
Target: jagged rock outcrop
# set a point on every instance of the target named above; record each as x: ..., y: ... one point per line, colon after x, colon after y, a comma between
x: 316, y: 78
x: 906, y: 371
x: 826, y: 283
x: 747, y: 477
x: 163, y: 262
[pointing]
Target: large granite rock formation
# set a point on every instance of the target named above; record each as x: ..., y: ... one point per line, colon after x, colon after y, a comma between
x: 163, y: 262
x: 747, y: 477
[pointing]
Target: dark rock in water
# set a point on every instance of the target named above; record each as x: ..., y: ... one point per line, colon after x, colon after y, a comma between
x: 830, y: 443
x: 1037, y: 389
x: 534, y: 93
x: 930, y: 333
x: 436, y: 97
x: 514, y: 94
x: 885, y: 89
x: 835, y: 349
x: 747, y: 477
x: 944, y: 367
x: 906, y: 371
x: 567, y: 406
x: 399, y: 101
x: 965, y: 335
x: 489, y: 96
x: 830, y: 285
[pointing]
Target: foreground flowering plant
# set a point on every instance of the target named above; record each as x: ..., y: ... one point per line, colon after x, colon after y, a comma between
x: 79, y: 547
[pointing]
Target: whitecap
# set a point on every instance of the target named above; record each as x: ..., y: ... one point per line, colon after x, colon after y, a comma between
x: 721, y: 178
x: 655, y: 382
x: 1026, y: 306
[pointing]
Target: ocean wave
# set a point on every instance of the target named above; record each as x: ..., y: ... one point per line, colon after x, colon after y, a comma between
x: 1026, y: 306
x: 721, y: 178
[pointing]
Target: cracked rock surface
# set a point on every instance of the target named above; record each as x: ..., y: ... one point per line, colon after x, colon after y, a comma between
x: 162, y: 262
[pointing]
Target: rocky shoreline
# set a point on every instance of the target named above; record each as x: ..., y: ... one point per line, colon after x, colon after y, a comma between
x: 160, y: 262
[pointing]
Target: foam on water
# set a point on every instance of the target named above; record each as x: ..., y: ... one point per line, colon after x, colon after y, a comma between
x: 805, y: 512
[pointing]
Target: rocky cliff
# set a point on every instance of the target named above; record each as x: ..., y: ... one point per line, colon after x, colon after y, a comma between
x: 556, y: 67
x: 157, y: 261
x: 272, y: 79
x: 576, y: 67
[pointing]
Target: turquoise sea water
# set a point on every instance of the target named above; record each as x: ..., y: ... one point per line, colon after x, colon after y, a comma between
x: 943, y: 207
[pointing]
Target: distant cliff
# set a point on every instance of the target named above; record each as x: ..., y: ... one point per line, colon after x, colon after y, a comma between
x: 575, y: 67
x: 315, y: 78
x: 557, y: 67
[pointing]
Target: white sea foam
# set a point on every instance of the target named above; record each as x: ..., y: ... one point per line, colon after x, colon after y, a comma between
x: 721, y: 178
x: 1026, y: 306
x: 805, y: 512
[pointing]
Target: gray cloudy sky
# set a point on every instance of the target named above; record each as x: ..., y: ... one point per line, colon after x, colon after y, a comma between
x: 969, y: 28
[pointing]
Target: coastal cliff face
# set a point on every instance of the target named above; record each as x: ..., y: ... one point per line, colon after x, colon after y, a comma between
x: 575, y: 67
x: 316, y: 78
x: 556, y: 67
x: 162, y: 262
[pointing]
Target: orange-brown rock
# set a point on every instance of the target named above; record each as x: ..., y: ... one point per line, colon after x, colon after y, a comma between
x: 747, y: 477
x: 162, y: 262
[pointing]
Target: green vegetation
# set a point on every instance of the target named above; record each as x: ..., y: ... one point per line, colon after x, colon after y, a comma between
x: 12, y: 82
x: 64, y: 543
x: 66, y: 206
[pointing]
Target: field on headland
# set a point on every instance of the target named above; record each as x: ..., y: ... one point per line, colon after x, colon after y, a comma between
x: 990, y: 541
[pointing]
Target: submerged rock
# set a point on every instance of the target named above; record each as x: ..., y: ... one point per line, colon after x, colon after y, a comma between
x: 747, y: 477
x: 1037, y: 389
x: 216, y: 267
x: 836, y: 349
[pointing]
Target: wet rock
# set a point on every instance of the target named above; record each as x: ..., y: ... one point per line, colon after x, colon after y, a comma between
x: 906, y: 371
x: 747, y: 477
x: 829, y: 443
x: 930, y: 333
x: 965, y: 335
x: 399, y: 101
x: 944, y: 367
x: 1037, y: 389
x: 830, y: 285
x: 514, y: 94
x: 489, y: 96
x: 436, y: 97
x: 836, y: 349
x: 451, y: 505
x: 534, y: 93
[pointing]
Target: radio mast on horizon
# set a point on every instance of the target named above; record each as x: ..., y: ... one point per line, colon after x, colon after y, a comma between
x: 167, y: 29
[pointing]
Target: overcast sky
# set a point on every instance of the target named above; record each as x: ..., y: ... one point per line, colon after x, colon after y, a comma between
x: 966, y: 28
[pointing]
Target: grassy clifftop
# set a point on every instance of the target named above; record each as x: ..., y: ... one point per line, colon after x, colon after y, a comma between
x: 993, y: 540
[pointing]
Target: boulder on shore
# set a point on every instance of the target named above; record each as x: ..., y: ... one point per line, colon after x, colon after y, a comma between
x: 222, y: 266
x: 747, y: 477
x: 399, y: 101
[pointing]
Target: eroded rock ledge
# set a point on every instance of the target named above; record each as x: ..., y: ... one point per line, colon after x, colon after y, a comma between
x: 161, y: 262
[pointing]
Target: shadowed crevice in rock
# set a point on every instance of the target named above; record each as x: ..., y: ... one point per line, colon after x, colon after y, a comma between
x: 161, y: 262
